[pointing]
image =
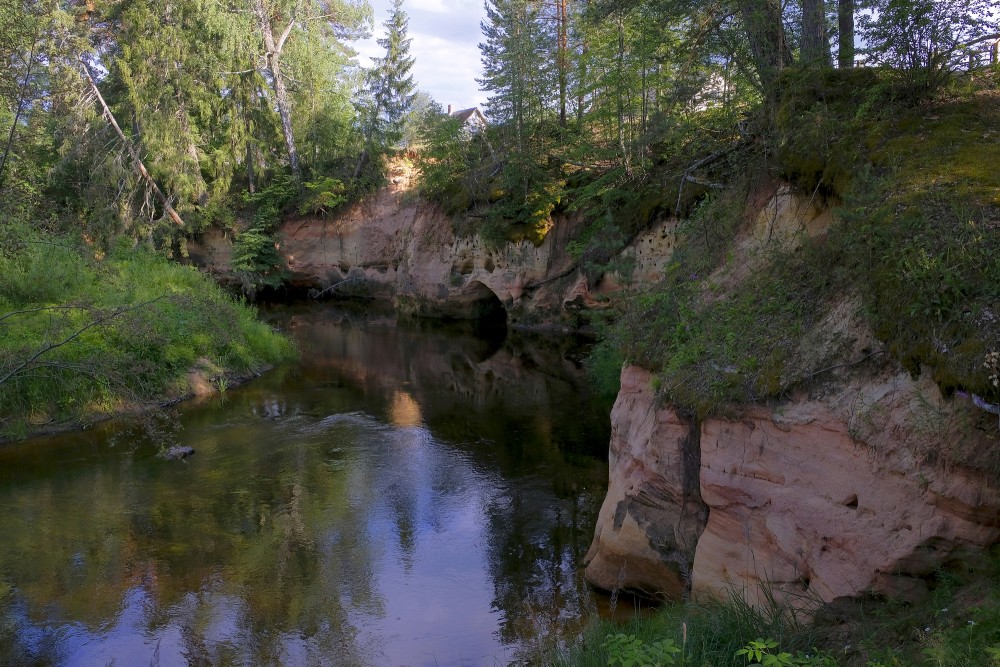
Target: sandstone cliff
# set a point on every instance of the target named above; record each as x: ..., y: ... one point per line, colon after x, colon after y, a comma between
x: 392, y: 246
x: 395, y: 247
x: 868, y: 484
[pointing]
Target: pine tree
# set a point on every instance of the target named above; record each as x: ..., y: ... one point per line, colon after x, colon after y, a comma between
x: 517, y: 68
x: 390, y: 88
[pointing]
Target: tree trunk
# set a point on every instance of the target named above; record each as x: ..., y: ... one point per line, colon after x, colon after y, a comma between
x: 815, y: 46
x: 22, y: 93
x: 619, y: 95
x: 766, y: 35
x: 563, y: 61
x: 273, y: 57
x: 133, y: 153
x: 845, y: 21
x: 581, y: 84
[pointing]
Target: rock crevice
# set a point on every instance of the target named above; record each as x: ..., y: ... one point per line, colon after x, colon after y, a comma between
x: 794, y: 500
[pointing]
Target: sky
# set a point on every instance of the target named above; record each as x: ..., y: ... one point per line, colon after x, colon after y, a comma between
x: 446, y: 38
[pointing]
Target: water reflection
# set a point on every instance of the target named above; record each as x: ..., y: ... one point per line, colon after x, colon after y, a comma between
x: 404, y: 496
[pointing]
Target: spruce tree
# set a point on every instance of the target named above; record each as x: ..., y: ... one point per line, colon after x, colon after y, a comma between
x: 390, y: 85
x: 517, y: 68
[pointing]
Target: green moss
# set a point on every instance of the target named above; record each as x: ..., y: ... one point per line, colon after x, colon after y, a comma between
x: 826, y: 121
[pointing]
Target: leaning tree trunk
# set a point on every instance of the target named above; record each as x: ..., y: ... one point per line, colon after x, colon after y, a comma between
x: 137, y: 164
x: 21, y: 103
x: 273, y: 56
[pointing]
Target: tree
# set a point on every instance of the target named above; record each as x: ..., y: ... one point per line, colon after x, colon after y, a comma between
x: 390, y: 88
x: 765, y: 33
x: 815, y: 45
x: 266, y: 16
x: 927, y: 39
x: 22, y: 83
x: 516, y: 68
x: 845, y: 34
x: 278, y: 20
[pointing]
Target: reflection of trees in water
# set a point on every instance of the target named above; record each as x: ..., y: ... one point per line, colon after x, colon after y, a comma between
x: 244, y: 542
x: 259, y: 550
x: 536, y: 543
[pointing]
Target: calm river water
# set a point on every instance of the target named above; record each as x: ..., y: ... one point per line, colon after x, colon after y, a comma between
x: 405, y: 495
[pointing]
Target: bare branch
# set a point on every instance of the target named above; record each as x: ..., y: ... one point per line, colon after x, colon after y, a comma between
x: 41, y: 309
x: 117, y: 312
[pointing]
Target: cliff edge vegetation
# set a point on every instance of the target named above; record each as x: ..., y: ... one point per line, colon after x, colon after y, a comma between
x: 893, y: 207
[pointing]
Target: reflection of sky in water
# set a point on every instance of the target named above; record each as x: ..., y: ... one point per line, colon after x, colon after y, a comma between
x: 322, y: 521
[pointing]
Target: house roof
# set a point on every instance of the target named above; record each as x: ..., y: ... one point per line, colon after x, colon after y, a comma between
x: 465, y: 114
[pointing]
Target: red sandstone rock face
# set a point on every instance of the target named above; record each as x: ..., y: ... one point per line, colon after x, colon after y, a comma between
x: 865, y: 487
x: 653, y: 515
x: 393, y: 246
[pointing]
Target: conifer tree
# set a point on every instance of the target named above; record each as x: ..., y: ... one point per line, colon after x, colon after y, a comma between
x: 517, y: 67
x: 390, y: 88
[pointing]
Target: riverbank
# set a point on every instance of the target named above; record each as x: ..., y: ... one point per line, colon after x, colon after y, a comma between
x: 85, y: 335
x: 956, y: 625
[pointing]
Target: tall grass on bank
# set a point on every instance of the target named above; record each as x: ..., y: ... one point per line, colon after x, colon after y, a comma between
x: 708, y: 633
x: 956, y: 623
x: 84, y: 335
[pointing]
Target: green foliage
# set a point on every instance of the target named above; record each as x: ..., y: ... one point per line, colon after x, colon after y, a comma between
x: 93, y: 336
x: 630, y: 651
x: 920, y: 241
x: 256, y: 259
x: 763, y: 652
x: 389, y: 87
x: 705, y: 634
x: 917, y: 198
x: 530, y: 195
x: 322, y: 196
x: 827, y: 123
x: 925, y: 40
x: 448, y: 163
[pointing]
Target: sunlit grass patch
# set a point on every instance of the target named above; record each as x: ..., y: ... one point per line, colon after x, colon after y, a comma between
x: 82, y: 337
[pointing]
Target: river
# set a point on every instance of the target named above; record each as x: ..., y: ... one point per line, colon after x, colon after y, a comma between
x: 405, y: 494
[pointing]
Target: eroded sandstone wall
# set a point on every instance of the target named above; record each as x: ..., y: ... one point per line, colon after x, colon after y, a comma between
x: 396, y: 247
x: 870, y: 483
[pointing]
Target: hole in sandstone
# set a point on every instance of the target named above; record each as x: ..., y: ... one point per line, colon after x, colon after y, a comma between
x: 852, y: 501
x: 488, y: 264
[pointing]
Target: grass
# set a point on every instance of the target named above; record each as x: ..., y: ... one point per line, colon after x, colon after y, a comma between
x: 709, y: 633
x: 957, y: 624
x: 82, y: 336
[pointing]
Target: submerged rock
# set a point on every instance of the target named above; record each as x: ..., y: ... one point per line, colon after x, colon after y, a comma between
x: 177, y: 452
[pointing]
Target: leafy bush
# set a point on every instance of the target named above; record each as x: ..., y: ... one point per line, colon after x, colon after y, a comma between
x: 322, y: 196
x: 630, y: 651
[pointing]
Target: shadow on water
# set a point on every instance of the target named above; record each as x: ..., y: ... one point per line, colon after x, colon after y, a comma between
x: 405, y: 494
